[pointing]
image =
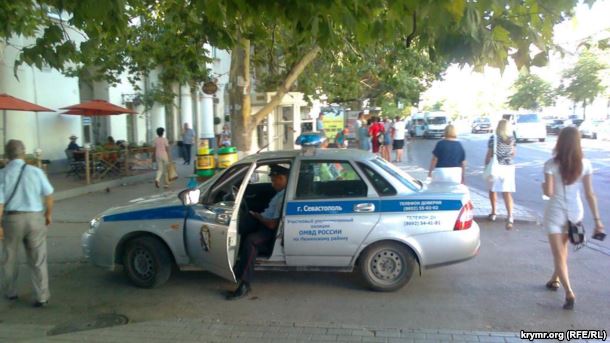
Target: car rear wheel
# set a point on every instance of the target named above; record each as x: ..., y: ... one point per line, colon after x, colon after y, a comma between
x: 147, y: 261
x: 387, y: 266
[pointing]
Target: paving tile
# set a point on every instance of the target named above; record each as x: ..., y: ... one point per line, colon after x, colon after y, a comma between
x: 438, y: 336
x: 374, y: 339
x: 465, y: 337
x: 491, y: 339
x: 387, y: 333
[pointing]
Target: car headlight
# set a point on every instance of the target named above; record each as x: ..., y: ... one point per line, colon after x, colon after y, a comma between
x: 94, y: 224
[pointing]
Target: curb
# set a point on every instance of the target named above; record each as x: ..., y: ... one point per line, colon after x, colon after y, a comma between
x: 100, y: 186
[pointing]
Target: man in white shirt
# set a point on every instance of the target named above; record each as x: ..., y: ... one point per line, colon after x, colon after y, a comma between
x: 398, y: 134
x: 24, y: 219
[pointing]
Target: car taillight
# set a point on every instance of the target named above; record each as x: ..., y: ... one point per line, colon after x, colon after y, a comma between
x: 464, y: 220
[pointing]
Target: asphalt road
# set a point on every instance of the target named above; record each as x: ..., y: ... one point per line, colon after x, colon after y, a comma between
x: 529, y: 163
x: 502, y: 289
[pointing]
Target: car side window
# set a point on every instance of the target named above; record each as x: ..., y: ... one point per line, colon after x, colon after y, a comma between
x: 381, y: 185
x: 329, y: 179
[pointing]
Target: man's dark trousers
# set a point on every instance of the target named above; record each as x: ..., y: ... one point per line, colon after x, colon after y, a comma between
x: 187, y: 153
x: 244, y: 268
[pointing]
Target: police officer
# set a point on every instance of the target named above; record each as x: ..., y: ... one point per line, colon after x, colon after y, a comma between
x: 265, y: 231
x: 22, y: 220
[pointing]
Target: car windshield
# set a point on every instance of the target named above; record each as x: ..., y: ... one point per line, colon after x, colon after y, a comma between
x: 528, y: 118
x: 437, y: 120
x: 404, y: 178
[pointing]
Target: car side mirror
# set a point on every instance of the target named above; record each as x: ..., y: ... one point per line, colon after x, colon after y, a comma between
x: 189, y: 196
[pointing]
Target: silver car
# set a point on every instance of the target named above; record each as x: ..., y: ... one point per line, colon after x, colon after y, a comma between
x: 343, y: 210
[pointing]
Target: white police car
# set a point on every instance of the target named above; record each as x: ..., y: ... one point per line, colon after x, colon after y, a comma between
x: 343, y: 210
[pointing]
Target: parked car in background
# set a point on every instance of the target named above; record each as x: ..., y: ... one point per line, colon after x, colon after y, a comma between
x: 557, y: 125
x: 589, y: 128
x: 527, y: 126
x: 482, y: 124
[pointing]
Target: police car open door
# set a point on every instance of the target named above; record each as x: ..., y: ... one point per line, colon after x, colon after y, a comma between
x: 210, y: 235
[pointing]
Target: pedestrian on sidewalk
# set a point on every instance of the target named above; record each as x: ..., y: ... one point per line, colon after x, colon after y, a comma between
x: 563, y: 176
x: 448, y: 158
x: 364, y: 140
x: 398, y: 135
x: 162, y: 156
x: 386, y: 149
x: 504, y: 181
x: 341, y: 139
x: 22, y: 221
x: 188, y: 137
x: 376, y: 133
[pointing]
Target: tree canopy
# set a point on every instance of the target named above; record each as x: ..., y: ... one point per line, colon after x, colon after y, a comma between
x: 349, y: 49
x: 582, y: 82
x: 531, y: 93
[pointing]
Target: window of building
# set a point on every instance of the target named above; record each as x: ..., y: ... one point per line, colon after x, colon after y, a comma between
x: 329, y: 179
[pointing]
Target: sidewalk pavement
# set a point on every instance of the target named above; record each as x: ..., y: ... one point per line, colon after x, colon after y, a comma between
x: 69, y: 187
x: 211, y: 330
x: 479, y: 198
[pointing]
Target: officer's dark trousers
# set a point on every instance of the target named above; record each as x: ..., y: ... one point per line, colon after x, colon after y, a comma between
x: 244, y: 269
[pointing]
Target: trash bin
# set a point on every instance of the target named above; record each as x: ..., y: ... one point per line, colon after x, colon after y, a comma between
x: 205, y: 162
x: 227, y: 156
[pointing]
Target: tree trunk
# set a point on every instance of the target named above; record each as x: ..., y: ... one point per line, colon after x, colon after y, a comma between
x: 243, y: 121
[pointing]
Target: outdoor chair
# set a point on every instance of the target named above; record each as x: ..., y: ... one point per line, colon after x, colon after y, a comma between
x: 76, y: 164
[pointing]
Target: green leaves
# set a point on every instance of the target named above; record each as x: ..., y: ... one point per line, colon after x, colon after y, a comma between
x: 582, y: 82
x: 531, y: 93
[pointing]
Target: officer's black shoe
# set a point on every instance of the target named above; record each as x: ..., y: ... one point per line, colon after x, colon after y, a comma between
x: 243, y: 288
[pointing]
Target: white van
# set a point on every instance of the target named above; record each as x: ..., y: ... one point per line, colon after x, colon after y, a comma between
x: 528, y: 126
x: 435, y: 124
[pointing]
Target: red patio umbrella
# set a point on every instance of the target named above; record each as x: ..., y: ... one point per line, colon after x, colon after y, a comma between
x: 8, y: 102
x: 96, y: 108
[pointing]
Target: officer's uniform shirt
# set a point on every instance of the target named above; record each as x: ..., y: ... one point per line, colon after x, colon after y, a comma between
x: 273, y: 211
x: 33, y: 185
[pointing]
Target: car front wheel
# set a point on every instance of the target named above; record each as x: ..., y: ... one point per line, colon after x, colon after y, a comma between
x: 387, y: 266
x: 147, y: 262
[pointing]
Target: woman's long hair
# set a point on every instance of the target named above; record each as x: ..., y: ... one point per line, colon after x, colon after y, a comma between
x: 568, y: 155
x: 502, y: 130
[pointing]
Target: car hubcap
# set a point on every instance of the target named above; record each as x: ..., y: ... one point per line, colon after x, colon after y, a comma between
x: 386, y: 265
x: 143, y: 263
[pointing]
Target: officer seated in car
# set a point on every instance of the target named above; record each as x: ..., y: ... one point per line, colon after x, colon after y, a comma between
x: 264, y: 232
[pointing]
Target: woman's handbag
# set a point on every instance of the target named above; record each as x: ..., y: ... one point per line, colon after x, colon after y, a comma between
x: 492, y: 169
x: 576, y: 231
x: 172, y: 174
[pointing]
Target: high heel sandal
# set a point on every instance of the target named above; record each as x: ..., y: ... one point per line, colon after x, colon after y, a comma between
x: 553, y: 285
x: 491, y: 217
x: 509, y: 223
x: 569, y: 304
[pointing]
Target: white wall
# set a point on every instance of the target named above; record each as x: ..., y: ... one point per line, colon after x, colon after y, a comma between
x: 48, y: 88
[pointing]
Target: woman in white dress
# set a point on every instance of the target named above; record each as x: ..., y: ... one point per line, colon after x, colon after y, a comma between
x: 504, y: 182
x: 563, y: 176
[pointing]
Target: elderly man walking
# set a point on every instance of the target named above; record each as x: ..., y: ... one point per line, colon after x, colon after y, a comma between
x: 24, y: 219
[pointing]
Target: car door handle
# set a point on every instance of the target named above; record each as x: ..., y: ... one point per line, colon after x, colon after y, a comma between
x: 366, y: 207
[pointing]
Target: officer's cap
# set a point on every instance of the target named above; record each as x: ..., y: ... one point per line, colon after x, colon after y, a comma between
x: 276, y: 169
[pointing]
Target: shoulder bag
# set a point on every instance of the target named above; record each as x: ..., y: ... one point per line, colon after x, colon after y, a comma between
x: 14, y: 188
